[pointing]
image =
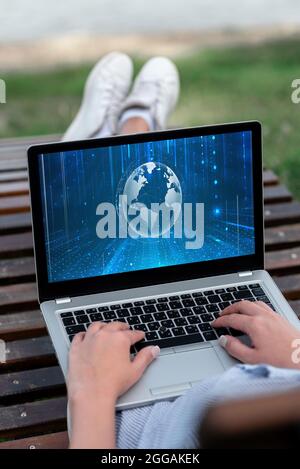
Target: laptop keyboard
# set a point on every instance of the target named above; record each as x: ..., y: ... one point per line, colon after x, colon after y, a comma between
x: 169, y: 321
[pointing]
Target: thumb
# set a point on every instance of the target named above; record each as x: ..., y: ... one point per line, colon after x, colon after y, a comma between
x: 143, y: 359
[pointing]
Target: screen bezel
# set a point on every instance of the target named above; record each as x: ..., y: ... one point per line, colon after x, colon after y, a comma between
x: 104, y: 283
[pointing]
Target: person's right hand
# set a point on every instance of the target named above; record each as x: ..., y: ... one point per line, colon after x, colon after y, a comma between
x: 272, y: 336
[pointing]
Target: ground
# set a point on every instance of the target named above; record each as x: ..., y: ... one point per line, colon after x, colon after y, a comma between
x: 218, y: 85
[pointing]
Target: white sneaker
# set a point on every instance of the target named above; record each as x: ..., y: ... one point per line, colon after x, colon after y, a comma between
x: 105, y: 90
x: 155, y: 89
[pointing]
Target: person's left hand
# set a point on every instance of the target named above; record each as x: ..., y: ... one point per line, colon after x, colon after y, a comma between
x: 100, y: 363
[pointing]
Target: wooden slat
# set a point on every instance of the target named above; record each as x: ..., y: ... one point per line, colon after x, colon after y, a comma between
x: 13, y: 164
x: 16, y: 223
x: 282, y: 237
x: 283, y: 262
x: 34, y: 417
x: 269, y: 178
x: 57, y: 440
x: 22, y: 325
x: 280, y: 214
x: 29, y: 353
x: 16, y: 204
x: 11, y: 176
x: 16, y: 245
x: 18, y: 297
x: 14, y: 188
x: 31, y: 385
x: 17, y: 270
x: 289, y: 285
x: 276, y: 194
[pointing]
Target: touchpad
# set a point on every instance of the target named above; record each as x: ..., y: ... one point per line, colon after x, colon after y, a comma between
x: 185, y: 367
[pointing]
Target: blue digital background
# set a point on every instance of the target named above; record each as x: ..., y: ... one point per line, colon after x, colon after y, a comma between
x: 215, y: 170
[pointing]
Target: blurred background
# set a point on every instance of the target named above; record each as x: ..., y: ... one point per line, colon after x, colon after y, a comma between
x: 237, y: 60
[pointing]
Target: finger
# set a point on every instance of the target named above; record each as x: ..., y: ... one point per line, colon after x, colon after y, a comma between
x: 264, y: 305
x: 95, y: 327
x: 237, y: 349
x: 143, y: 359
x: 242, y: 307
x: 116, y: 326
x: 236, y: 321
x: 135, y: 336
x: 78, y: 338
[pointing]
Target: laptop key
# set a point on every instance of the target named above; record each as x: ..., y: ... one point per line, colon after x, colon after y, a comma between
x: 122, y: 313
x: 149, y: 309
x: 127, y: 305
x: 201, y: 301
x: 254, y: 285
x: 214, y: 299
x: 160, y: 316
x: 80, y: 312
x: 181, y: 322
x: 220, y: 290
x: 151, y: 301
x: 221, y: 331
x: 230, y: 289
x: 113, y: 307
x: 91, y: 310
x: 136, y: 310
x: 224, y: 305
x: 141, y: 327
x: 146, y: 318
x: 167, y: 340
x: 216, y: 315
x: 178, y: 331
x: 186, y: 312
x: 162, y: 307
x: 209, y: 335
x: 194, y: 319
x: 71, y: 337
x: 204, y: 327
x: 243, y: 287
x: 173, y: 314
x: 162, y: 300
x: 212, y: 308
x: 96, y: 317
x: 69, y: 314
x: 227, y: 297
x: 264, y: 298
x: 175, y: 305
x: 109, y: 315
x: 199, y: 309
x: 174, y: 298
x: 69, y: 321
x: 168, y: 323
x: 242, y: 295
x: 207, y: 317
x: 133, y: 320
x: 235, y: 332
x: 75, y: 329
x: 164, y: 333
x: 188, y: 302
x: 151, y: 335
x: 83, y: 319
x: 208, y: 292
x: 139, y: 303
x: 153, y: 326
x: 185, y: 296
x: 258, y: 292
x: 197, y: 294
x: 101, y: 309
x: 191, y: 329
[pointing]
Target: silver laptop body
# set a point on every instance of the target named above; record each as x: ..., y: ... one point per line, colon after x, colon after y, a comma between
x: 179, y: 366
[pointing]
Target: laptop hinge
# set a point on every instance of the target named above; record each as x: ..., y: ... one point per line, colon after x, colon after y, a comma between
x: 247, y: 273
x: 61, y: 301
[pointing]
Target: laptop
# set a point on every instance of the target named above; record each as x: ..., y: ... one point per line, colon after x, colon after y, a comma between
x: 161, y: 230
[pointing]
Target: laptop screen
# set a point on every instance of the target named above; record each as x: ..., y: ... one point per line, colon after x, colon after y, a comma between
x: 130, y: 207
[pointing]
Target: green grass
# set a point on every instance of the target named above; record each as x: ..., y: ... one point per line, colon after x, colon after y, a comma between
x: 219, y: 85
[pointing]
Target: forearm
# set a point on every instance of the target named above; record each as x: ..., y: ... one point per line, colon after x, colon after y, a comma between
x: 93, y: 423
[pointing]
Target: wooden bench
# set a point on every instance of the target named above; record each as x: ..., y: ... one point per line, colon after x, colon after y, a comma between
x: 32, y: 389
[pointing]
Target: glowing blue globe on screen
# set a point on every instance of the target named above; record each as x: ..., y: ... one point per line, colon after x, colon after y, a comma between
x: 151, y: 183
